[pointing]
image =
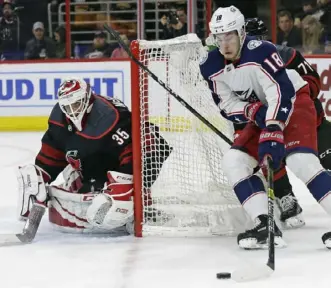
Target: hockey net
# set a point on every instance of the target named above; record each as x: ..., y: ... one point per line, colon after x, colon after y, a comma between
x: 188, y: 194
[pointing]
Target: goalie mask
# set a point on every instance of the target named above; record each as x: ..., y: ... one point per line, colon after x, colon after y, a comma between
x: 74, y: 99
x: 227, y: 26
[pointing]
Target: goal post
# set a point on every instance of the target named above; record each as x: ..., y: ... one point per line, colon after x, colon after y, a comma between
x: 189, y: 195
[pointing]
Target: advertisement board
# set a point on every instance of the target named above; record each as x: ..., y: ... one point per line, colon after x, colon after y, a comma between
x: 323, y: 67
x: 28, y: 90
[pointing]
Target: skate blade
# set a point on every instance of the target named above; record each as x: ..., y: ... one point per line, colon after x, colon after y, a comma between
x: 252, y: 244
x: 252, y: 273
x: 294, y: 222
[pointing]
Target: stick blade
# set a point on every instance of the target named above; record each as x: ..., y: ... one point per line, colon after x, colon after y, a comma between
x: 252, y: 273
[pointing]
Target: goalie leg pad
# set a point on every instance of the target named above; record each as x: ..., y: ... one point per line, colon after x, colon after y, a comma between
x: 67, y: 211
x: 31, y: 187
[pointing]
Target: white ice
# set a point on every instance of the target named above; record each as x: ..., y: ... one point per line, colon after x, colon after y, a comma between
x: 70, y: 261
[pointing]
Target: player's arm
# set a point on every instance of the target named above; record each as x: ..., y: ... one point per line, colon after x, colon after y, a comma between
x: 51, y: 159
x: 306, y: 71
x: 278, y: 88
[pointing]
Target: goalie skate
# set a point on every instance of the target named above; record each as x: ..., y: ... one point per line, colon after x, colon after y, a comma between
x: 257, y: 238
x: 290, y: 212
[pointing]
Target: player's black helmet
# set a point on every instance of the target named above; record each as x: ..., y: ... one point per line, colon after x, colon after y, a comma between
x: 255, y: 27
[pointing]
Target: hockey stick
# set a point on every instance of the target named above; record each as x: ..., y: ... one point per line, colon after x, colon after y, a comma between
x: 117, y: 37
x: 30, y: 228
x: 271, y: 220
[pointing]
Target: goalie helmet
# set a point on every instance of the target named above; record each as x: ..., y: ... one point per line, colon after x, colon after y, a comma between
x: 74, y: 97
x: 256, y: 27
x: 225, y: 20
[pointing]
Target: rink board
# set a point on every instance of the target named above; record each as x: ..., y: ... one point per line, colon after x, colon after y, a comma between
x: 28, y: 90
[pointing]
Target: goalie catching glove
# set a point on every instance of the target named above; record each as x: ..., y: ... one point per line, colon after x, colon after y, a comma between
x: 114, y: 206
x: 31, y: 188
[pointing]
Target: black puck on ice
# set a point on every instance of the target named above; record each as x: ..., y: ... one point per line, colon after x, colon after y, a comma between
x: 223, y: 275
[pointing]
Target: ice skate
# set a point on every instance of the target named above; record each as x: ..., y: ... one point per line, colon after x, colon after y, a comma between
x: 257, y: 237
x: 290, y: 212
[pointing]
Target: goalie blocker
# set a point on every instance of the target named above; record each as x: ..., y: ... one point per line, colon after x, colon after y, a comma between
x: 89, y: 141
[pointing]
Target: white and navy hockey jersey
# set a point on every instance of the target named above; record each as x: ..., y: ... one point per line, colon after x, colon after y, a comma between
x: 259, y: 75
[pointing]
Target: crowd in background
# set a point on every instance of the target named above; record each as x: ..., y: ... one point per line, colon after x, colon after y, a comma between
x: 27, y: 26
x: 305, y: 25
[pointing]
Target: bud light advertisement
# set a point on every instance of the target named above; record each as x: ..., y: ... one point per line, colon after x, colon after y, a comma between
x: 31, y: 89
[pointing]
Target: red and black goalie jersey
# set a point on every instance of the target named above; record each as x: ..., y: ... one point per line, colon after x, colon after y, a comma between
x: 104, y: 144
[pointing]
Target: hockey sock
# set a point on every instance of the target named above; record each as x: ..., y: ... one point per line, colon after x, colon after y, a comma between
x: 320, y: 188
x: 282, y: 185
x: 251, y: 194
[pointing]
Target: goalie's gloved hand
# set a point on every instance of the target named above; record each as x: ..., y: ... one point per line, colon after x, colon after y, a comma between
x: 271, y: 144
x: 256, y: 113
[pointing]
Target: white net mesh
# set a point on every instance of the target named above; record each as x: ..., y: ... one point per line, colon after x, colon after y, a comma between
x: 191, y: 196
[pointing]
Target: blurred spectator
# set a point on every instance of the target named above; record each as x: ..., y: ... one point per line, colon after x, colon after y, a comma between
x: 60, y: 42
x: 174, y: 24
x: 9, y: 31
x: 308, y: 7
x: 100, y: 48
x: 120, y: 52
x: 122, y: 17
x: 288, y: 34
x: 325, y: 18
x: 40, y: 46
x: 312, y: 35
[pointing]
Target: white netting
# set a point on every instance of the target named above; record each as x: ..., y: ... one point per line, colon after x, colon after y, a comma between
x: 191, y: 195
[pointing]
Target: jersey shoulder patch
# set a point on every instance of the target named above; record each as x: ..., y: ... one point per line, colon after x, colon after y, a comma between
x: 254, y: 44
x: 204, y: 58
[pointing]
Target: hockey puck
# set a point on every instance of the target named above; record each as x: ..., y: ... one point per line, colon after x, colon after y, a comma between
x: 223, y: 275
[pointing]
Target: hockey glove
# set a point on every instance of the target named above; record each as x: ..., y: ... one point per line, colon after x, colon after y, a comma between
x: 256, y: 112
x: 271, y: 144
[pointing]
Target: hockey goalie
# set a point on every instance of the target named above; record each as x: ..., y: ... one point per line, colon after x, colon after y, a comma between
x: 88, y: 142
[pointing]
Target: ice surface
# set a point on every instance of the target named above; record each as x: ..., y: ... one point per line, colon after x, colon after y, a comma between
x: 70, y: 261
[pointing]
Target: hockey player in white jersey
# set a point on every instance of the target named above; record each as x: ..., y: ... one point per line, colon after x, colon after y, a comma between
x: 254, y: 87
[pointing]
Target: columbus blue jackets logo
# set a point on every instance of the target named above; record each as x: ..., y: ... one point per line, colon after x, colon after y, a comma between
x: 247, y: 95
x: 73, y: 159
x: 253, y: 44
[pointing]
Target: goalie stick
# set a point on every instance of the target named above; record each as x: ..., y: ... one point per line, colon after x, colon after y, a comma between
x: 30, y: 228
x: 238, y: 275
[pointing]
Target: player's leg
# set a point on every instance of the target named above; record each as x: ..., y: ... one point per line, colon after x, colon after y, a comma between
x: 290, y: 210
x: 300, y: 138
x: 324, y: 143
x: 238, y: 164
